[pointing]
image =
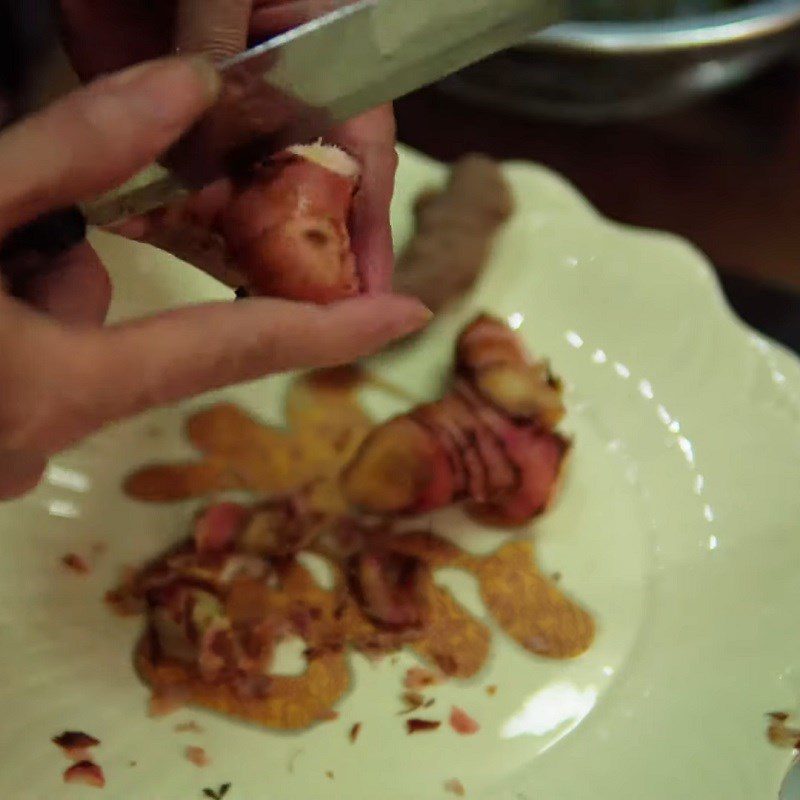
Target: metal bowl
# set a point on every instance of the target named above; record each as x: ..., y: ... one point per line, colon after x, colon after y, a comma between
x: 593, y: 72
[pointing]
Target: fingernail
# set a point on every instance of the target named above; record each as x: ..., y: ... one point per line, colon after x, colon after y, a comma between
x: 162, y: 86
x: 425, y: 314
x: 208, y: 74
x: 422, y: 312
x: 414, y: 317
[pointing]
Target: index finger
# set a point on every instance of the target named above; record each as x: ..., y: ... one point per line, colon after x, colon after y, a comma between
x: 97, y: 137
x: 67, y: 381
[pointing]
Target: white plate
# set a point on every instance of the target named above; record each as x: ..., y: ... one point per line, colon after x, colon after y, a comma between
x: 678, y: 528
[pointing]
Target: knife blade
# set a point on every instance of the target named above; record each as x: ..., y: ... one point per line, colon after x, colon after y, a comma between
x: 296, y: 86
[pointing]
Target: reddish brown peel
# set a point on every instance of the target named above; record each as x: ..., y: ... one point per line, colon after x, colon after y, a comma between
x: 392, y: 589
x: 76, y: 563
x: 489, y: 441
x: 462, y: 723
x: 454, y: 642
x: 293, y: 702
x: 280, y: 528
x: 217, y: 526
x: 413, y: 701
x: 288, y: 228
x: 219, y: 602
x: 189, y: 727
x: 86, y: 773
x: 197, y: 755
x: 217, y: 652
x: 76, y: 744
x: 421, y: 678
x: 415, y: 725
x: 781, y: 732
x: 454, y: 786
x: 539, y: 458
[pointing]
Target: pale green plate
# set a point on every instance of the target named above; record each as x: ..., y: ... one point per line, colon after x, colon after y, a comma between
x: 678, y: 527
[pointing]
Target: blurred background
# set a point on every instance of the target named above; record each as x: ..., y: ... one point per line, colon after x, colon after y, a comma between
x: 692, y: 126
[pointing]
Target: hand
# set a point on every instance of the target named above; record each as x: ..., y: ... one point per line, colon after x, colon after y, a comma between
x: 103, y: 35
x: 62, y: 374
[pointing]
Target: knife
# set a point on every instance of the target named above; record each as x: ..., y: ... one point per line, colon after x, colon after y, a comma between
x: 293, y: 88
x: 296, y: 86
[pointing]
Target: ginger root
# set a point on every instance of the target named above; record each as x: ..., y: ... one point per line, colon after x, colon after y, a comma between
x: 287, y: 228
x: 489, y: 441
x: 456, y: 227
x: 281, y: 230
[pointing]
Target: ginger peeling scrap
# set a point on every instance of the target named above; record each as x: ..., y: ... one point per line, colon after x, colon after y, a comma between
x: 219, y: 603
x: 489, y: 441
x: 456, y: 227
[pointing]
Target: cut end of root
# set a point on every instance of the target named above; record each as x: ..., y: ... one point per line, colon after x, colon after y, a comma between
x: 328, y: 156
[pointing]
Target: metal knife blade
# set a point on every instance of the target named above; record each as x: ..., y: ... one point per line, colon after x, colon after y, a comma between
x: 297, y: 85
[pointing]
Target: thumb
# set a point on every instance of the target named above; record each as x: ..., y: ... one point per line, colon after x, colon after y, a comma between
x: 150, y: 362
x: 99, y: 136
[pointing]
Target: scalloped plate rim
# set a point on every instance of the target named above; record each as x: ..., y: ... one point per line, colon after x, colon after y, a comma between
x: 556, y: 208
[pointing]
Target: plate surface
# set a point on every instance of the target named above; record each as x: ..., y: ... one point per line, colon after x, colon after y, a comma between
x: 678, y: 528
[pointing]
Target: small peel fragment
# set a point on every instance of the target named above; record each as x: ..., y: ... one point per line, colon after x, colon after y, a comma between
x: 86, y: 773
x: 416, y: 725
x: 421, y: 678
x: 454, y: 786
x: 189, y: 727
x: 462, y: 723
x: 76, y: 563
x: 197, y: 756
x: 76, y: 744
